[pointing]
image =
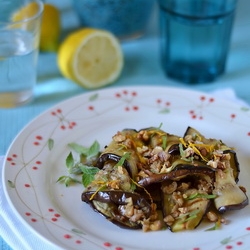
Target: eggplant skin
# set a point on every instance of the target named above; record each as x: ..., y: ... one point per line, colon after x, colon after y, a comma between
x: 104, y: 158
x: 232, y: 207
x: 178, y: 173
x: 107, y: 203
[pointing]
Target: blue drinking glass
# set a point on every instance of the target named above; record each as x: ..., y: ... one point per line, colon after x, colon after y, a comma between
x: 195, y: 38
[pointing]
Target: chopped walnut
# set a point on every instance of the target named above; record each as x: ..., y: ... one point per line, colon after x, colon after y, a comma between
x: 178, y: 198
x: 169, y: 219
x: 152, y: 223
x: 142, y: 150
x: 129, y: 143
x: 212, y: 163
x: 119, y: 137
x: 143, y: 134
x: 142, y: 174
x: 115, y: 184
x: 137, y: 215
x: 183, y: 186
x: 155, y: 167
x: 203, y: 151
x: 130, y: 211
x: 169, y: 189
x: 213, y: 217
x: 183, y: 210
x: 204, y: 186
x: 156, y: 225
x: 188, y: 152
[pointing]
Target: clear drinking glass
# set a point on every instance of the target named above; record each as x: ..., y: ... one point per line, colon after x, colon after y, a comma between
x: 20, y: 22
x: 195, y: 38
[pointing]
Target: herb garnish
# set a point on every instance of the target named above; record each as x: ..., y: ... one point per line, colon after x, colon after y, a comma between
x: 198, y: 195
x: 217, y: 225
x: 123, y: 159
x: 82, y: 166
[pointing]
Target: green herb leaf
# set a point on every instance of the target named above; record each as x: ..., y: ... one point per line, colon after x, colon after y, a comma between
x: 215, y: 227
x: 67, y: 180
x: 50, y: 143
x: 197, y: 195
x: 93, y: 150
x: 245, y: 109
x: 164, y: 111
x: 93, y: 97
x: 11, y: 184
x: 133, y: 186
x: 183, y: 155
x: 122, y: 160
x: 164, y: 142
x: 79, y: 148
x: 88, y: 174
x: 90, y: 152
x: 192, y: 215
x: 75, y: 169
x: 70, y: 161
x: 78, y: 231
x: 160, y: 126
x: 226, y: 240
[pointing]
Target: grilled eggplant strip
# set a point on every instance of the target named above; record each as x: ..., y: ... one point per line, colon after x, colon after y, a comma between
x: 186, y: 202
x: 193, y: 134
x: 123, y: 142
x: 224, y: 160
x: 118, y: 205
x: 229, y: 195
x: 177, y: 174
x: 111, y: 193
x: 196, y: 210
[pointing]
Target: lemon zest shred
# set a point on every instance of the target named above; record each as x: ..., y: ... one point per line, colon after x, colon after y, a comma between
x: 104, y: 184
x: 146, y: 191
x: 210, y: 147
x: 197, y: 151
x: 195, y: 147
x: 98, y: 182
x: 183, y: 142
x: 93, y: 195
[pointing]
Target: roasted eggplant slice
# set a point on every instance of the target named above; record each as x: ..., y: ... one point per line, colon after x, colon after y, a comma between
x: 124, y: 142
x: 125, y: 209
x: 224, y: 160
x: 192, y: 134
x: 179, y: 173
x: 185, y: 203
x: 229, y: 195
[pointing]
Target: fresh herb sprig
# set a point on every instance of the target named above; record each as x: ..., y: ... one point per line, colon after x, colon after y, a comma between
x: 82, y: 166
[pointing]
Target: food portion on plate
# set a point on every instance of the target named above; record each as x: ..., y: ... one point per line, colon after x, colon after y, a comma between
x: 154, y: 180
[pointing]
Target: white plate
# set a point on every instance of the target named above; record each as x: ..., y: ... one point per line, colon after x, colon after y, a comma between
x: 57, y: 213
